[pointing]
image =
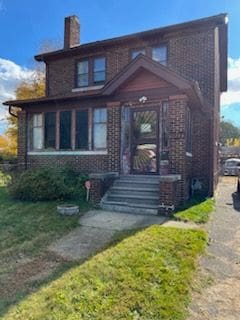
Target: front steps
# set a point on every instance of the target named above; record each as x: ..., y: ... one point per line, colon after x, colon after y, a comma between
x: 133, y: 194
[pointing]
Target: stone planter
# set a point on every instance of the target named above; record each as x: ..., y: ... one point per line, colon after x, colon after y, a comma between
x: 68, y: 209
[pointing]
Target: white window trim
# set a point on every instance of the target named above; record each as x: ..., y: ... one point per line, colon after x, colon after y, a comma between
x: 75, y: 153
x: 82, y: 89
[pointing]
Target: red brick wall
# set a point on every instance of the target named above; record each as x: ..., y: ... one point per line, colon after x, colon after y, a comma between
x: 191, y: 54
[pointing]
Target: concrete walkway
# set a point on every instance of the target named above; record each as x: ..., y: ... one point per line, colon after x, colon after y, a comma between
x: 97, y: 229
x: 221, y: 299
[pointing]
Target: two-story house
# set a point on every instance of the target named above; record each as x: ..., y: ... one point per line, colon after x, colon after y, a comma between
x: 141, y: 108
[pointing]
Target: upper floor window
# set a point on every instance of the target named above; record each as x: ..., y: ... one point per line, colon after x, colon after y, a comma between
x: 82, y: 73
x: 99, y: 66
x: 136, y: 52
x: 159, y: 54
x: 91, y: 71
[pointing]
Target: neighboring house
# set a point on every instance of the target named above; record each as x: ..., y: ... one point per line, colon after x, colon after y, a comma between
x: 142, y: 104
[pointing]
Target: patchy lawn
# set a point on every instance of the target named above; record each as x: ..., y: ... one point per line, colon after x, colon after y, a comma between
x: 146, y: 276
x: 196, y: 211
x: 26, y: 229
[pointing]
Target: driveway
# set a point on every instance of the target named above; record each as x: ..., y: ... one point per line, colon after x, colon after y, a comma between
x: 220, y: 299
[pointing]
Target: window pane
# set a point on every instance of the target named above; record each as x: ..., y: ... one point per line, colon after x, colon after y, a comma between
x: 82, y: 130
x: 99, y: 64
x: 83, y: 67
x: 50, y: 130
x: 99, y: 70
x: 100, y: 136
x: 37, y: 138
x: 37, y: 120
x: 159, y: 54
x: 65, y: 130
x: 100, y: 115
x: 82, y: 80
x: 136, y: 52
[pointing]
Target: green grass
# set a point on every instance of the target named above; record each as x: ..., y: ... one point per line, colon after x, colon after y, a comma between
x: 196, y: 211
x: 146, y: 276
x: 26, y: 229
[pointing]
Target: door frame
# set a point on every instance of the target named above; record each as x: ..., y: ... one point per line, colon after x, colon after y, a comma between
x: 143, y: 109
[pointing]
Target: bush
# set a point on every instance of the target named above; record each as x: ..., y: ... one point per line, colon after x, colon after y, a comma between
x: 47, y: 184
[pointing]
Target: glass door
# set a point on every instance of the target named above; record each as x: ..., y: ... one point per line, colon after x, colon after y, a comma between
x: 144, y: 141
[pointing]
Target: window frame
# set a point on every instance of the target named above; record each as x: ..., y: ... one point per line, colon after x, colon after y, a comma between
x: 92, y: 131
x: 163, y: 44
x: 32, y: 131
x: 132, y: 50
x: 91, y: 81
x: 73, y: 131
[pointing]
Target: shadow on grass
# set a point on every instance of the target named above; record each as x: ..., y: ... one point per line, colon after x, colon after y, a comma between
x: 35, y: 285
x: 191, y: 202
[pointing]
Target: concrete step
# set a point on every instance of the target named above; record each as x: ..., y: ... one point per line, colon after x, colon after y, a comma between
x: 134, y: 191
x: 149, y: 200
x: 136, y: 184
x: 129, y: 207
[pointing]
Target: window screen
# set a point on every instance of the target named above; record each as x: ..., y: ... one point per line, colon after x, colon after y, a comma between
x: 65, y: 130
x: 100, y: 128
x: 50, y: 130
x: 82, y: 130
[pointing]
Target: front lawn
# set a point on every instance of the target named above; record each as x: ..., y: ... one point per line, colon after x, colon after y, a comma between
x: 196, y: 210
x: 26, y: 229
x: 146, y: 276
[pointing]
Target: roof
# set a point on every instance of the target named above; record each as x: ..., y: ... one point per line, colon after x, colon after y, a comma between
x: 190, y: 88
x: 219, y: 20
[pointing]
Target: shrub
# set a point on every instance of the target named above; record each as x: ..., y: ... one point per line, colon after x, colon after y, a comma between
x: 47, y: 184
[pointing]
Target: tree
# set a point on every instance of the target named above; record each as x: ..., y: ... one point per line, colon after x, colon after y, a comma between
x: 33, y: 88
x: 228, y: 132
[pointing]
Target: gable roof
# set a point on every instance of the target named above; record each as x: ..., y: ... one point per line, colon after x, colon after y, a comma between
x: 141, y: 62
x: 190, y: 88
x: 219, y: 21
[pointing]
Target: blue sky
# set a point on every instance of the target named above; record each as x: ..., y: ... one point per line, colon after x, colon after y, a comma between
x: 25, y: 25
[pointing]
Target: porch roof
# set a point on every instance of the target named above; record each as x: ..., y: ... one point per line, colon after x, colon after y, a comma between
x: 141, y: 62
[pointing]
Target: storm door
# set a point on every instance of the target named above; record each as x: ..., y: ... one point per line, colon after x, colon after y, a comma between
x: 144, y: 141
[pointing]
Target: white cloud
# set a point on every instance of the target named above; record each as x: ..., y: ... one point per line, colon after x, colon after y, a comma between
x: 11, y: 75
x: 232, y: 96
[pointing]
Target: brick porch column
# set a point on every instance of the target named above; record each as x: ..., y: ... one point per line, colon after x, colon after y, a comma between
x: 114, y: 136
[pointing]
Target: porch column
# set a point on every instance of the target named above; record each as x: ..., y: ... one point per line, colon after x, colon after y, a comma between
x: 114, y: 136
x: 177, y: 139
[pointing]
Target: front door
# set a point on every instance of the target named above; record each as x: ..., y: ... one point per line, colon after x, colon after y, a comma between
x: 144, y: 141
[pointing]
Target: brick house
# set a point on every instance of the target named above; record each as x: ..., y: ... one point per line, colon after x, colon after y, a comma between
x: 141, y: 109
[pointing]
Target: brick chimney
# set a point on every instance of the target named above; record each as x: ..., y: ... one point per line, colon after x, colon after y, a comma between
x: 71, y: 32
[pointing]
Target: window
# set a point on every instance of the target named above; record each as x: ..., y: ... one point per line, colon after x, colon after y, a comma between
x: 91, y: 71
x: 65, y: 130
x: 82, y: 130
x: 82, y: 73
x: 159, y: 54
x: 99, y: 70
x: 50, y: 130
x: 100, y: 128
x: 136, y: 52
x: 37, y: 131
